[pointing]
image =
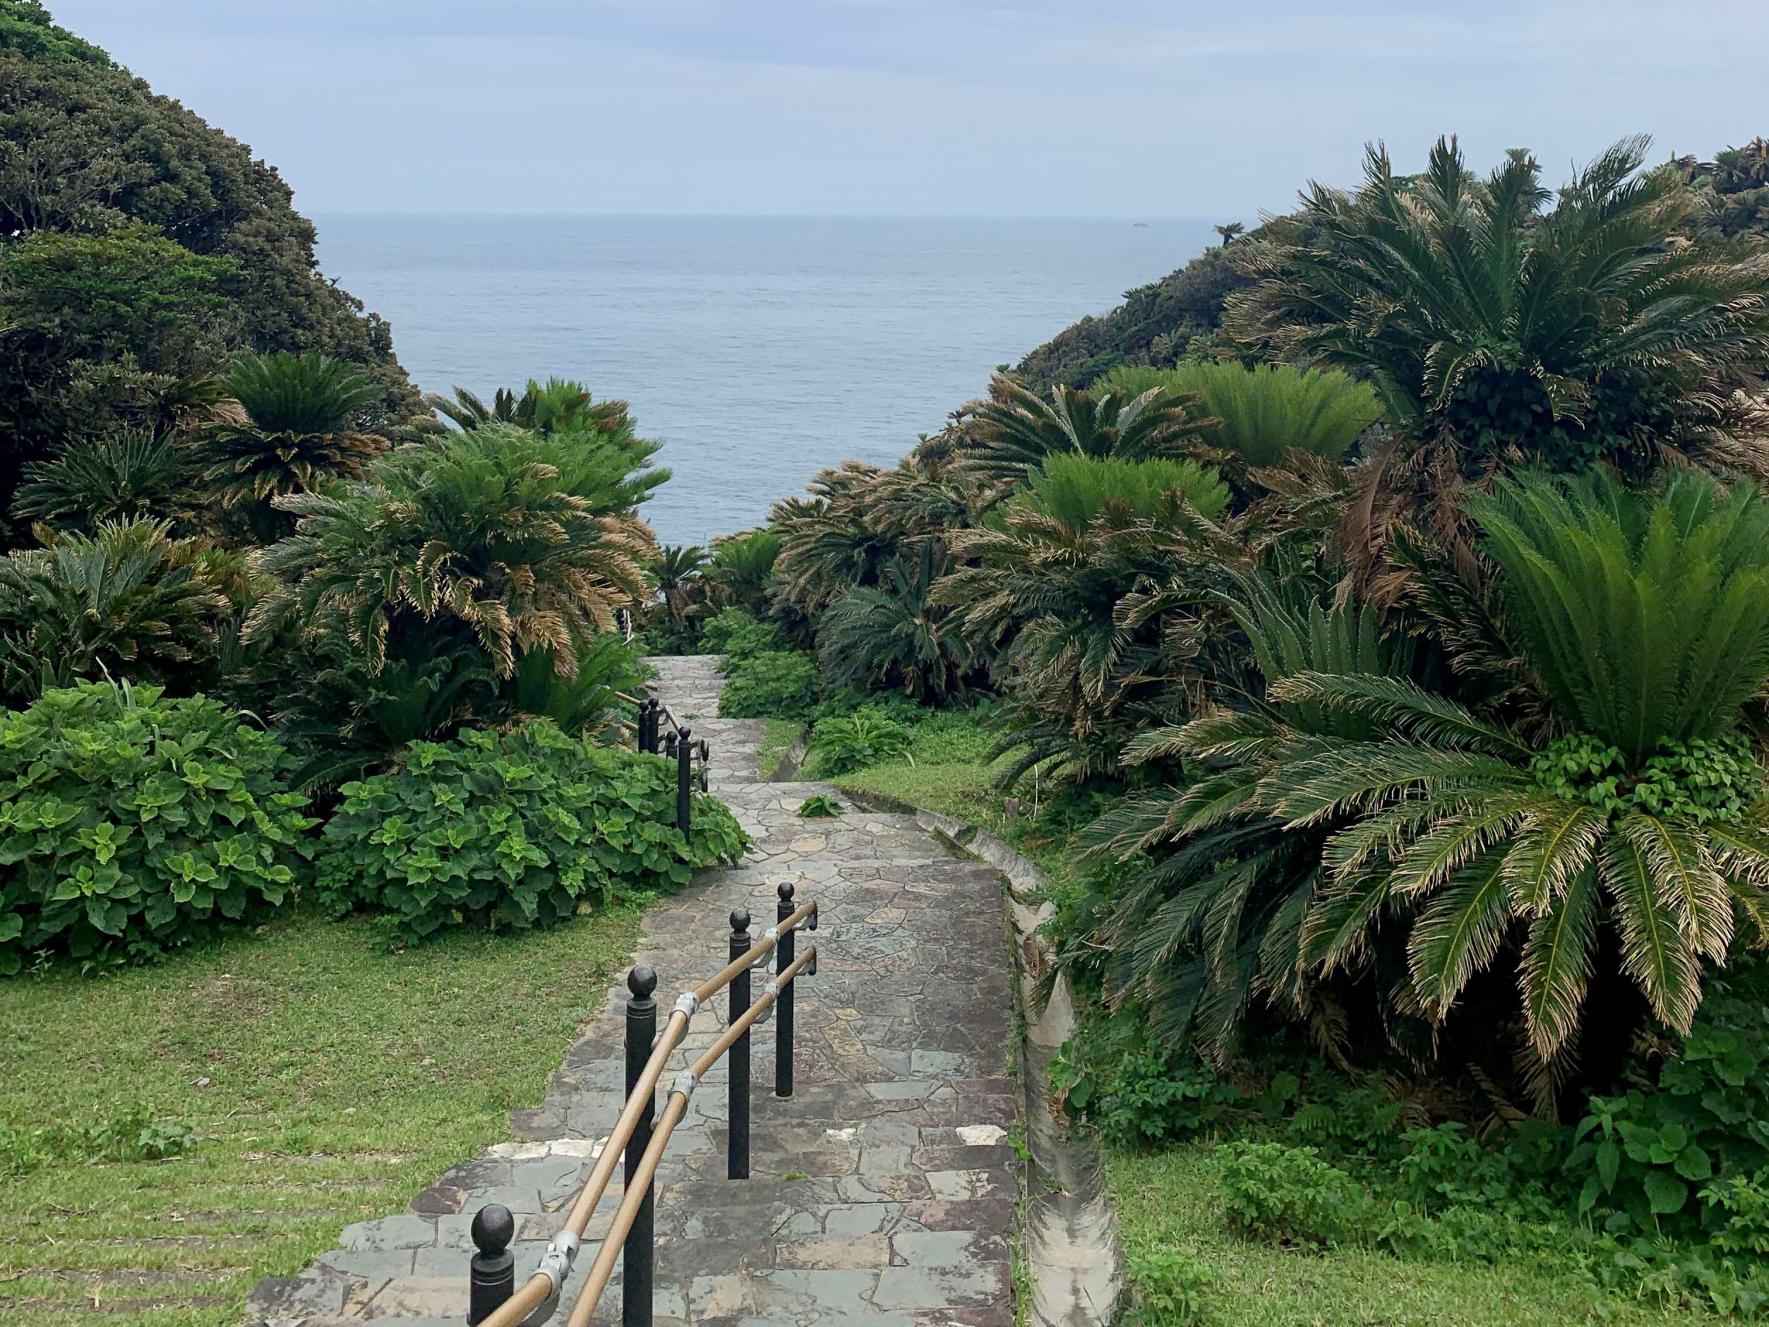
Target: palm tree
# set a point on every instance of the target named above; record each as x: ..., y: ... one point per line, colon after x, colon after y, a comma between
x: 1497, y: 329
x: 295, y: 429
x: 1230, y: 233
x: 1009, y: 435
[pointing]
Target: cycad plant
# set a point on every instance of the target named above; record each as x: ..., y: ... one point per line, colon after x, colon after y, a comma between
x: 676, y: 573
x: 1498, y: 328
x: 741, y: 571
x: 1211, y: 927
x: 123, y: 478
x: 1008, y: 436
x: 295, y: 428
x: 559, y: 405
x: 1266, y: 411
x: 1053, y: 583
x: 892, y: 635
x: 508, y: 540
x: 1646, y: 618
x: 126, y: 601
x: 838, y: 538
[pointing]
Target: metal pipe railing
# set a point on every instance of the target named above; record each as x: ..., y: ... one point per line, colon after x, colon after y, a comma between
x: 495, y: 1300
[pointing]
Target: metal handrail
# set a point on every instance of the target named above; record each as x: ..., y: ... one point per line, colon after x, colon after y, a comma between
x: 541, y: 1283
x: 673, y: 1110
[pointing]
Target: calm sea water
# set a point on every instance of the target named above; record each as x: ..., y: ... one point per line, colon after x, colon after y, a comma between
x: 759, y: 350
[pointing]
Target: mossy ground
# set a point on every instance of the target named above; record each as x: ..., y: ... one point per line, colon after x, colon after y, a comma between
x: 324, y: 1078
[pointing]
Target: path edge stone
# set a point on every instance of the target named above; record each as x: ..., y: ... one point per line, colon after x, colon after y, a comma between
x: 1069, y: 1235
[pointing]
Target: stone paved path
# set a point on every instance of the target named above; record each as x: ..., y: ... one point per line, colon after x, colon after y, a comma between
x: 882, y: 1191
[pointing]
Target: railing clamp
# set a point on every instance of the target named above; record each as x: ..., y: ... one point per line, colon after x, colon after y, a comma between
x: 772, y: 934
x: 685, y: 1083
x: 555, y: 1265
x: 688, y: 1003
x: 772, y: 988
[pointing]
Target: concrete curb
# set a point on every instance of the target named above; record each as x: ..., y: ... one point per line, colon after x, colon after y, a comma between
x: 1070, y: 1229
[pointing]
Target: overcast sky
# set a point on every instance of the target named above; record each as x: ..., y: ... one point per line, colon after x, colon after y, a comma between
x: 1125, y: 108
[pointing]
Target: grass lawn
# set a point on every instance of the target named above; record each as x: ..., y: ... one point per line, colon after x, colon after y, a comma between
x: 946, y: 769
x: 1167, y: 1200
x: 324, y: 1080
x: 777, y: 740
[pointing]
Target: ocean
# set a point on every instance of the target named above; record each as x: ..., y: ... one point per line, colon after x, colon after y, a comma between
x: 760, y: 350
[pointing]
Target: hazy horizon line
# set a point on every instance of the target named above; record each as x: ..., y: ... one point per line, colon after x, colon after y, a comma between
x: 1144, y: 218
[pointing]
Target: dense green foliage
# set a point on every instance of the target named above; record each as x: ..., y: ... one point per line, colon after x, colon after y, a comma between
x: 515, y: 829
x: 127, y: 600
x: 1407, y: 666
x: 143, y: 248
x: 134, y: 822
x: 1492, y: 326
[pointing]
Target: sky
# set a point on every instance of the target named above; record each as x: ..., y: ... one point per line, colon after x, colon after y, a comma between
x: 1117, y: 108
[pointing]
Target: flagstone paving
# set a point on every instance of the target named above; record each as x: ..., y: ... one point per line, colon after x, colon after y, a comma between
x: 882, y: 1191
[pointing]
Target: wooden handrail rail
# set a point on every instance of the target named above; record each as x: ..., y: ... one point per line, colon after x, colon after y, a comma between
x: 533, y: 1292
x: 673, y: 1110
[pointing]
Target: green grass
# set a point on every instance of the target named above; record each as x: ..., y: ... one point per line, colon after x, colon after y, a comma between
x: 1167, y: 1200
x: 325, y: 1080
x: 946, y: 769
x: 777, y: 740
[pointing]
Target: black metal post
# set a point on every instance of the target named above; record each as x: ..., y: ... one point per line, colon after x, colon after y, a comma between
x: 491, y: 1272
x: 783, y: 1002
x: 684, y: 783
x: 737, y: 1135
x: 648, y: 725
x: 669, y: 744
x: 637, y: 1252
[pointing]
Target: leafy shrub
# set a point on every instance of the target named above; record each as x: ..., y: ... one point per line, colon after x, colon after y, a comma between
x: 513, y: 829
x: 1133, y: 1091
x: 132, y: 1134
x: 819, y: 807
x: 841, y: 744
x: 1168, y: 1287
x: 1669, y: 1159
x: 776, y: 684
x: 130, y: 822
x: 735, y: 633
x: 1293, y: 1195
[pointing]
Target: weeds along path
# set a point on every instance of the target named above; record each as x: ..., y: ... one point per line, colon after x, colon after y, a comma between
x: 882, y: 1191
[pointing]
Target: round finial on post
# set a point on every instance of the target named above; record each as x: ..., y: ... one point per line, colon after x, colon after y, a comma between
x: 493, y: 1228
x: 740, y: 920
x: 786, y: 891
x: 641, y: 981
